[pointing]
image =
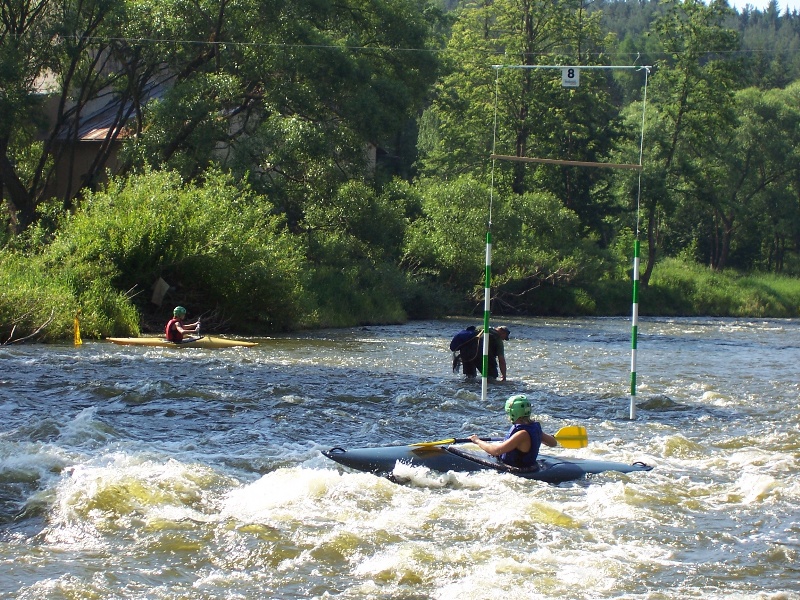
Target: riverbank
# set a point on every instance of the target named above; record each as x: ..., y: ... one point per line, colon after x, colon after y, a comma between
x: 680, y: 289
x: 38, y: 309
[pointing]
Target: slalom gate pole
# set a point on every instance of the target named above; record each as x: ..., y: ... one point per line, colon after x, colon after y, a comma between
x: 487, y: 295
x: 570, y: 80
x: 634, y: 326
x: 77, y: 329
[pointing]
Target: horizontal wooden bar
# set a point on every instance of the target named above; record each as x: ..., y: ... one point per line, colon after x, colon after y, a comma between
x: 638, y: 67
x: 567, y: 163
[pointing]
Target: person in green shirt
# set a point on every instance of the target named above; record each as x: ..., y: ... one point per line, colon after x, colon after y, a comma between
x: 497, y: 352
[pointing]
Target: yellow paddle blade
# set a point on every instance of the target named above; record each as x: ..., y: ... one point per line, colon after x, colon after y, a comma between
x: 436, y: 443
x: 572, y: 436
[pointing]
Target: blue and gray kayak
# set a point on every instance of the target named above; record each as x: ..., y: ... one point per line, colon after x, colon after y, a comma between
x: 469, y: 458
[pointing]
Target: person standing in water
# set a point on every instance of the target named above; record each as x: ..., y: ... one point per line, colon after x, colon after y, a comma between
x: 468, y: 351
x: 497, y: 351
x: 520, y: 448
x: 175, y: 329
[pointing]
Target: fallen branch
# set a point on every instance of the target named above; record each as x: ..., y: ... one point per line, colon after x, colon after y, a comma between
x: 11, y: 339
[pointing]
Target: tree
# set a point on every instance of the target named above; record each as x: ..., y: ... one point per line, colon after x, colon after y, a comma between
x: 536, y: 243
x: 198, y: 83
x: 691, y: 104
x: 745, y: 182
x: 292, y: 101
x: 49, y: 52
x: 535, y: 115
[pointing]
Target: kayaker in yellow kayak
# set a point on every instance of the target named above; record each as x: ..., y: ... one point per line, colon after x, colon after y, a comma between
x: 175, y: 329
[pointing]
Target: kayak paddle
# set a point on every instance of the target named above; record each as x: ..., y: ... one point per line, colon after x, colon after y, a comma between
x: 571, y: 436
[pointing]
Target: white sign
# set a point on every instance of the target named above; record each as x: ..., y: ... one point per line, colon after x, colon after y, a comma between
x: 570, y: 77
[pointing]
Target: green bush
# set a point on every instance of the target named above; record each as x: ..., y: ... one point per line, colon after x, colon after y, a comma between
x: 541, y: 262
x: 612, y: 297
x: 217, y: 246
x: 447, y: 242
x: 360, y: 257
x: 29, y: 301
x: 354, y: 295
x: 42, y: 302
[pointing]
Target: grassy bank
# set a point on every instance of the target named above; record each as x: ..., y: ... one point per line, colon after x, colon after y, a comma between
x: 681, y: 289
x: 678, y: 288
x: 35, y: 296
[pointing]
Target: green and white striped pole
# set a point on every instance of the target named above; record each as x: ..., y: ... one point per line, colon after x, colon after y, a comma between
x: 634, y: 327
x: 487, y: 295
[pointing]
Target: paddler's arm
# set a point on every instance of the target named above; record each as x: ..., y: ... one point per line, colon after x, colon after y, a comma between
x: 497, y: 448
x: 549, y: 440
x: 192, y: 326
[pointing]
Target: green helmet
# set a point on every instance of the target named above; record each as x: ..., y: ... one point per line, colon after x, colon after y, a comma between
x: 518, y: 406
x: 179, y: 311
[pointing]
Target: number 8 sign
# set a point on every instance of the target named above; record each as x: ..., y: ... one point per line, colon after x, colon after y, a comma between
x: 570, y: 77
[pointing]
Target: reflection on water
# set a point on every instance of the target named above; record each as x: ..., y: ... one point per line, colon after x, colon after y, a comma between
x: 188, y: 473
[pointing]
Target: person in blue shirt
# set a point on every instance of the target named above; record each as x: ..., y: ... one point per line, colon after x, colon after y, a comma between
x: 520, y: 448
x: 468, y: 351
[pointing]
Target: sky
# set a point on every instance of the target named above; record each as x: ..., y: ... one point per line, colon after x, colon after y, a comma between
x: 762, y: 4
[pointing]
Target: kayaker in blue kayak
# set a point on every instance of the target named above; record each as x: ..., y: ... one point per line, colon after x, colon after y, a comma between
x: 175, y: 329
x: 520, y: 448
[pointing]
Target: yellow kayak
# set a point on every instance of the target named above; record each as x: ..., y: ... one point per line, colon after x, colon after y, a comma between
x: 206, y: 341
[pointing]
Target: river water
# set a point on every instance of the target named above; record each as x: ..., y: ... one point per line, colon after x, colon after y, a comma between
x: 133, y: 473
